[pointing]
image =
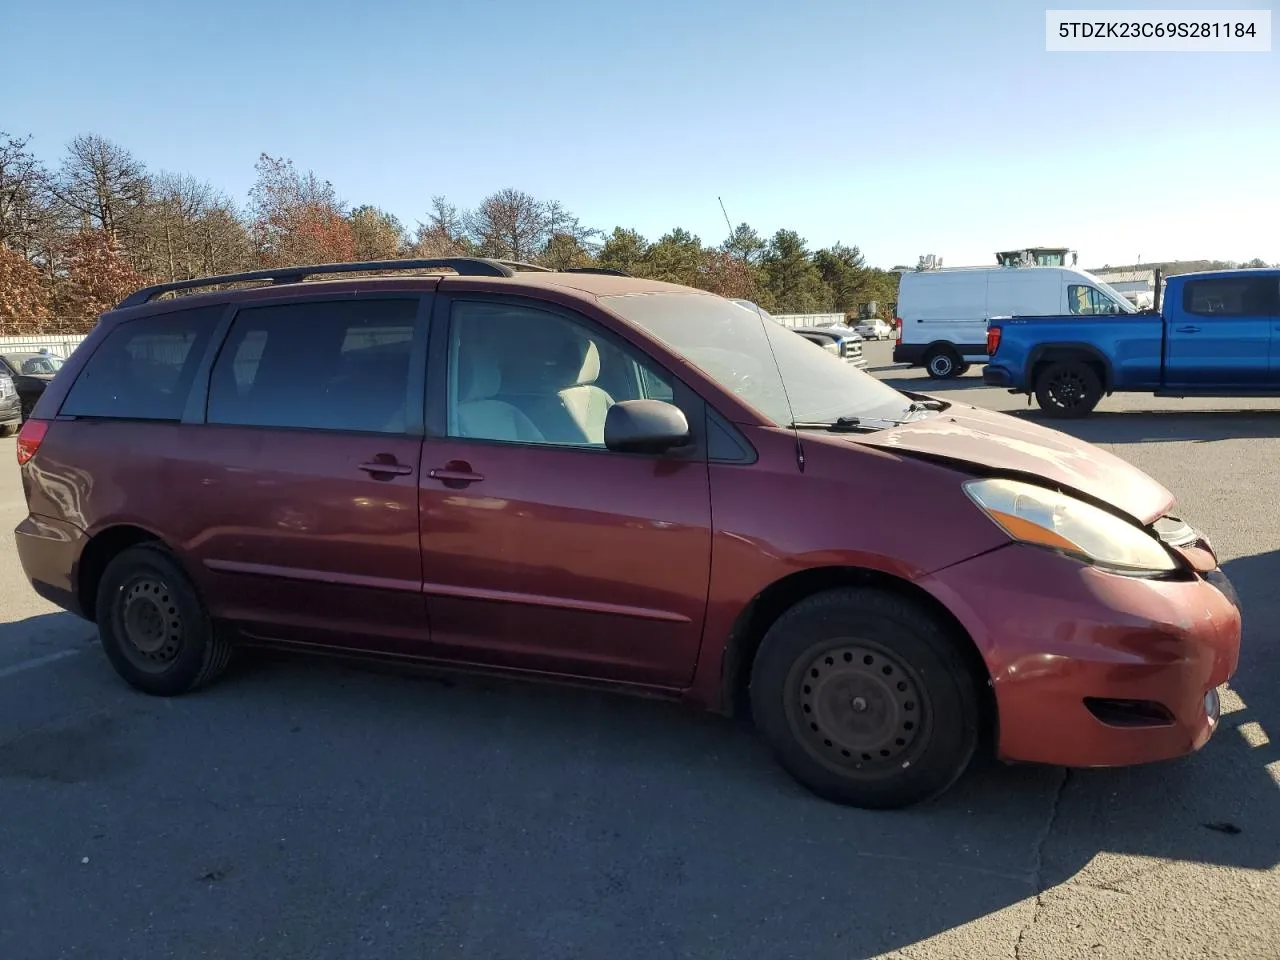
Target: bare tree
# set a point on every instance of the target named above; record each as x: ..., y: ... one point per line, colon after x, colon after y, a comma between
x: 224, y: 243
x: 568, y: 233
x: 24, y: 195
x: 190, y: 229
x: 297, y: 217
x: 509, y: 225
x: 103, y: 184
x: 444, y: 232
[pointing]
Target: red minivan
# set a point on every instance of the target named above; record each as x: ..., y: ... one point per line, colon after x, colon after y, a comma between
x: 585, y: 477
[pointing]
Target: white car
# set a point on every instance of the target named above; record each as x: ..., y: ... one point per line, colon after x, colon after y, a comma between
x: 874, y: 329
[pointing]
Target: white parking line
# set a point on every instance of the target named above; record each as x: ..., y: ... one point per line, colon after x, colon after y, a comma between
x: 37, y: 662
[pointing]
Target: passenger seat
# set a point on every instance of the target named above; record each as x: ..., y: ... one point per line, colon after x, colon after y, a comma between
x: 586, y: 403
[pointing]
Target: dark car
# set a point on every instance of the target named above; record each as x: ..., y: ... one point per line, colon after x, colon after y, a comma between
x: 10, y: 405
x: 31, y: 373
x: 596, y: 479
x: 844, y: 342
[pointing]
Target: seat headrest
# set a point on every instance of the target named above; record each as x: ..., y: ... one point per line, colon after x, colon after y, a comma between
x: 479, y: 375
x: 589, y: 369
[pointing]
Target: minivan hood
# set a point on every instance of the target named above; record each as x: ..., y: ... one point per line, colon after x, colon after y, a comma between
x: 997, y: 441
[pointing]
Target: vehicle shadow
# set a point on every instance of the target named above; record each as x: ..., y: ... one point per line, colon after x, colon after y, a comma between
x: 926, y: 384
x: 498, y: 819
x: 41, y: 634
x: 701, y: 837
x: 1169, y: 426
x: 1257, y: 681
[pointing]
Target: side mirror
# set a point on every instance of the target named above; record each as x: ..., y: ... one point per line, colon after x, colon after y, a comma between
x: 645, y: 426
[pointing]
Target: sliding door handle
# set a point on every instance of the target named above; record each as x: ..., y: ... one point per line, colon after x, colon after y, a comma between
x: 389, y: 469
x: 1186, y: 329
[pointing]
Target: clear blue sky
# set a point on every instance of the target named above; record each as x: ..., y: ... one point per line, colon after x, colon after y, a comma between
x: 904, y: 127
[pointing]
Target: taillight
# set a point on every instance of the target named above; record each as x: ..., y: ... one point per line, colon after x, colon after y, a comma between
x: 897, y: 322
x: 29, y: 439
x: 993, y: 340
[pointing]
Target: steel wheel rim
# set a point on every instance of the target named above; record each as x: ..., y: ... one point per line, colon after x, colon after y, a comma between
x: 858, y: 709
x: 149, y: 623
x: 941, y: 365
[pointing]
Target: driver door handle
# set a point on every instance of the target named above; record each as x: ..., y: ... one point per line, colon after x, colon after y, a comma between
x: 455, y: 473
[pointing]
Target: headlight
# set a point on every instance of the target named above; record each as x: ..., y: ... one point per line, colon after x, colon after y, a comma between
x: 832, y: 347
x: 1034, y: 515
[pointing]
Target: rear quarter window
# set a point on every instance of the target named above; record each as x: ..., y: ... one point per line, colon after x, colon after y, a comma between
x: 143, y: 370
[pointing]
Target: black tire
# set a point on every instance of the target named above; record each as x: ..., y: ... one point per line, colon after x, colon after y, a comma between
x: 1068, y: 389
x: 8, y: 429
x: 962, y: 369
x: 154, y: 627
x: 852, y: 651
x: 942, y: 363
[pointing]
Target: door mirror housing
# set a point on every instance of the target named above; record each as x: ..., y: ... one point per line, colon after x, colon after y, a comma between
x: 645, y: 426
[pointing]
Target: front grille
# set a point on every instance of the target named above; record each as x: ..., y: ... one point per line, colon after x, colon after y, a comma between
x: 852, y: 350
x: 1129, y: 713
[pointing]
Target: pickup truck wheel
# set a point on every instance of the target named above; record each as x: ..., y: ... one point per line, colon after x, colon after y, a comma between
x: 1068, y: 388
x: 866, y: 698
x: 942, y: 364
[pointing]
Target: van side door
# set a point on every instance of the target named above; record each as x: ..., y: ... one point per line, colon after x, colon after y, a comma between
x: 299, y: 472
x: 1218, y: 333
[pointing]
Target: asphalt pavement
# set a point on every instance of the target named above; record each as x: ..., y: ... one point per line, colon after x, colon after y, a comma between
x: 308, y: 809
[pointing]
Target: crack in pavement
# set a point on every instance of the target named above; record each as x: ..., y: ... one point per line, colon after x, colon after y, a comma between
x: 1037, y: 861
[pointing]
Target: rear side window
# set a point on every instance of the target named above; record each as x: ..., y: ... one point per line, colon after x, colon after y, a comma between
x: 144, y: 369
x: 329, y: 365
x: 1232, y: 297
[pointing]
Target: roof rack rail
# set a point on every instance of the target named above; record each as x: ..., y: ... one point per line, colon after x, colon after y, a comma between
x: 527, y: 267
x: 606, y: 271
x: 463, y: 266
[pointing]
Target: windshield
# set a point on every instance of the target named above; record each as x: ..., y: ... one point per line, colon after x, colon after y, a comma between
x: 731, y: 343
x: 33, y: 364
x: 1121, y: 300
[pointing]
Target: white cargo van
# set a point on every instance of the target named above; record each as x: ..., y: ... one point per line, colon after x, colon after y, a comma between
x: 942, y: 314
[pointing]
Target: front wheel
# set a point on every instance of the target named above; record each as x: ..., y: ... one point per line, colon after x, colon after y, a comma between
x: 154, y: 627
x: 1068, y: 388
x: 866, y: 698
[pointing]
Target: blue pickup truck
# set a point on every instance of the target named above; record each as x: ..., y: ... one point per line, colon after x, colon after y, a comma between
x: 1217, y: 334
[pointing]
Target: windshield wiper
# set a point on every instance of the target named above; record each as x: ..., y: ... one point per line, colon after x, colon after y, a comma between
x: 839, y: 425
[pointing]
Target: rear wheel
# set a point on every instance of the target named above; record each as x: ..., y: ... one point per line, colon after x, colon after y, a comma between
x: 943, y: 363
x: 1068, y: 388
x: 866, y: 699
x: 154, y: 627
